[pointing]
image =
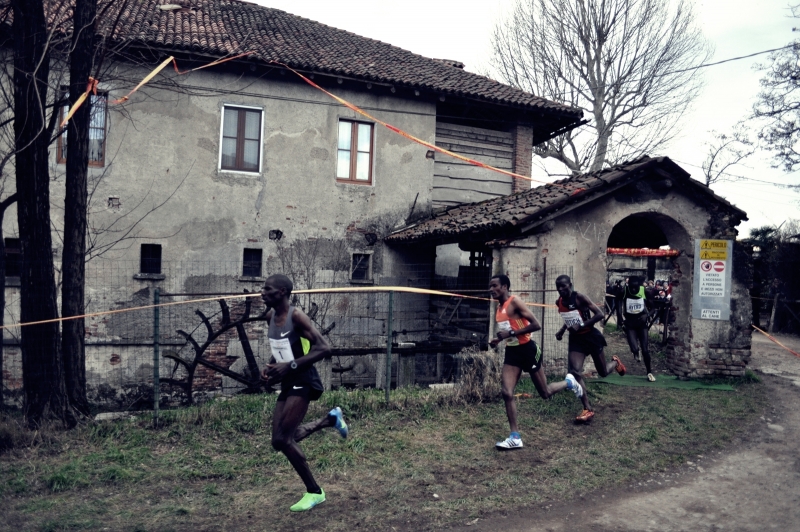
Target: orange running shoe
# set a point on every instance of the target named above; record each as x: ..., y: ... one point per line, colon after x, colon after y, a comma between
x: 585, y: 416
x: 620, y: 366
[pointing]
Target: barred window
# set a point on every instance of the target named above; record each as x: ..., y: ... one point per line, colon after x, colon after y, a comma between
x: 150, y: 259
x: 97, y: 130
x: 251, y: 263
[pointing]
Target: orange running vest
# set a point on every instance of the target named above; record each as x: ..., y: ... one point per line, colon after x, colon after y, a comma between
x: 507, y: 324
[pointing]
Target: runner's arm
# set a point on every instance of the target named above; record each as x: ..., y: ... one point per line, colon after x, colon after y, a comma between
x: 598, y: 314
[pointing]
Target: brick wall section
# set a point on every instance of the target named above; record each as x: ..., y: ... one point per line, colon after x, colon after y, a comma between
x: 523, y: 156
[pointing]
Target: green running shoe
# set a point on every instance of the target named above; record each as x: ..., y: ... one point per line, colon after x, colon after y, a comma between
x: 308, y: 501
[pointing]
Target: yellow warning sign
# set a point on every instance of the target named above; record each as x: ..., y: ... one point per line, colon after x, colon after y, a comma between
x: 710, y: 254
x: 713, y: 244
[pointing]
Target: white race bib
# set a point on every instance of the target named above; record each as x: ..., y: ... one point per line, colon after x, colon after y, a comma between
x: 506, y: 326
x: 634, y: 306
x: 572, y: 319
x: 281, y: 349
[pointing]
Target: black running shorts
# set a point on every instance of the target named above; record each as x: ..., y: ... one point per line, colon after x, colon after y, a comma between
x: 526, y: 356
x: 590, y: 343
x: 306, y: 384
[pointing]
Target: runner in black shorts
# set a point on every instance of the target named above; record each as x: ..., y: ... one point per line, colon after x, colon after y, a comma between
x: 296, y: 345
x: 580, y: 314
x: 516, y: 322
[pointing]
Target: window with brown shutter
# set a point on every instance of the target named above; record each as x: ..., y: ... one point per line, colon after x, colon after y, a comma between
x: 241, y: 139
x: 354, y: 153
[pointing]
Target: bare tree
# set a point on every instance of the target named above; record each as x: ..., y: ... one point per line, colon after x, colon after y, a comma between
x: 73, y: 263
x: 725, y: 152
x: 42, y: 369
x: 631, y: 63
x: 778, y: 103
x: 44, y: 46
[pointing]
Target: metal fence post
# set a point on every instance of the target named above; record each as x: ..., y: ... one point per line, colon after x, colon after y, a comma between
x: 389, y: 334
x: 156, y: 341
x: 544, y: 301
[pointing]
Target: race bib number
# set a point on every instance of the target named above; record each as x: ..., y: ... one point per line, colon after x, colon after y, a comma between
x: 281, y: 349
x: 572, y: 319
x: 634, y: 306
x: 506, y: 326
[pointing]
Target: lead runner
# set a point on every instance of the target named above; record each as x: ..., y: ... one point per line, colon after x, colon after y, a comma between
x: 296, y: 345
x: 584, y: 339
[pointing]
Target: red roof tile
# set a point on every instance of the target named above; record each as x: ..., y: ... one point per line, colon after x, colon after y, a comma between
x: 224, y: 27
x: 503, y: 217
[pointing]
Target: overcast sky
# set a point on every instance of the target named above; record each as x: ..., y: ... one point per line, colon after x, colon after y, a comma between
x: 461, y: 30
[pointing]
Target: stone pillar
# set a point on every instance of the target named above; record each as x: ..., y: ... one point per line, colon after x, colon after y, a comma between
x: 523, y: 156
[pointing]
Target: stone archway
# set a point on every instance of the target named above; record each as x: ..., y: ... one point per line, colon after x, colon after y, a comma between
x: 653, y: 230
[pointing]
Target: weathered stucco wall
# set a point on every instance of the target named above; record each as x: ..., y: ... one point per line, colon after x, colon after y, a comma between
x: 162, y: 163
x: 578, y: 239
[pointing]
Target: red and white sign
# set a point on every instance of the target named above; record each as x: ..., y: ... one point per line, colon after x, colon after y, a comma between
x: 719, y: 266
x: 705, y: 266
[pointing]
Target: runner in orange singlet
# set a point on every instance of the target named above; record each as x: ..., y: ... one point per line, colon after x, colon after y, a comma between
x: 516, y: 322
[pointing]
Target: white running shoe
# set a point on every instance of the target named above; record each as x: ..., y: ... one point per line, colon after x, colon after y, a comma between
x: 509, y: 443
x: 651, y: 378
x: 573, y: 385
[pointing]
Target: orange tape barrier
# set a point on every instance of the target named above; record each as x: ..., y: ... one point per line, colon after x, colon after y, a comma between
x: 411, y: 137
x: 775, y: 340
x: 643, y: 252
x: 171, y: 59
x: 92, y: 87
x: 402, y: 289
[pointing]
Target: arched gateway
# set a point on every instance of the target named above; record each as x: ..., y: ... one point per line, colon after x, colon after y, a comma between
x: 571, y: 223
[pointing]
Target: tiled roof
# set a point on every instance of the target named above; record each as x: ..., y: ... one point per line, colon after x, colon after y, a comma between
x: 504, y: 216
x: 218, y: 28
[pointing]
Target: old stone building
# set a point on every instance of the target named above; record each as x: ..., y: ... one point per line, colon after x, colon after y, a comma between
x: 564, y: 228
x: 206, y: 182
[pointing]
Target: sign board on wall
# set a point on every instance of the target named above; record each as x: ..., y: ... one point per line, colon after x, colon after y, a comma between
x: 713, y: 265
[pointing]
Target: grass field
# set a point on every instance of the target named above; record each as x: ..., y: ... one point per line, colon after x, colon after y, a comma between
x: 426, y: 461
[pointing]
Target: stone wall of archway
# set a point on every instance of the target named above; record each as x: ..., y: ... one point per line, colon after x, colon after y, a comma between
x: 579, y: 238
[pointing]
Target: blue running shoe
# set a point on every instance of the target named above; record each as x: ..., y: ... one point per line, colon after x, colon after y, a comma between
x: 573, y: 385
x: 340, y: 425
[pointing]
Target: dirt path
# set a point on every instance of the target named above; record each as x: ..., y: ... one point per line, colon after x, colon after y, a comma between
x: 754, y: 485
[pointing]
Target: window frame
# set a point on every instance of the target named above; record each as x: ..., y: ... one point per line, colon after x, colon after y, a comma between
x: 354, y: 152
x: 245, y: 263
x: 142, y: 259
x: 61, y: 156
x: 240, y: 140
x: 370, y: 278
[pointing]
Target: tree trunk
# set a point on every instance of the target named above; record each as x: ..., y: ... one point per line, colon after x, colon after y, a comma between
x: 75, y: 204
x: 42, y: 372
x: 3, y: 206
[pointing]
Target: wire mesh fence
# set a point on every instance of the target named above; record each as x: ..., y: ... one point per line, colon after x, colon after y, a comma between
x: 537, y: 285
x: 211, y: 328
